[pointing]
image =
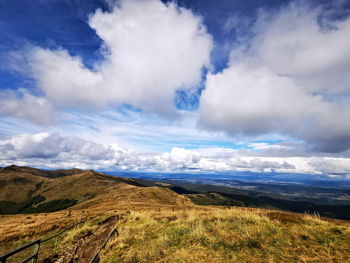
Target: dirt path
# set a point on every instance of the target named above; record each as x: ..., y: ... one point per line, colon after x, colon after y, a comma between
x: 87, y: 246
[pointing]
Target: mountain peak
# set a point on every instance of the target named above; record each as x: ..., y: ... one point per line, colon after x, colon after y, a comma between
x: 11, y: 168
x: 89, y: 172
x: 16, y: 168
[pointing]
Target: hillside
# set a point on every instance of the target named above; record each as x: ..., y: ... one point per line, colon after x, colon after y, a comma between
x: 29, y: 190
x: 25, y: 181
x: 158, y: 224
x: 179, y: 234
x: 331, y: 201
x: 228, y: 235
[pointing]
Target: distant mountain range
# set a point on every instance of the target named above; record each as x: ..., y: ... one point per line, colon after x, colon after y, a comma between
x: 30, y: 190
x: 300, y: 194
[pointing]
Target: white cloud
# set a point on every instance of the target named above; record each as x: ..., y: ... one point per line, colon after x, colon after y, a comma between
x: 23, y: 105
x: 301, y: 41
x: 51, y: 150
x: 46, y: 145
x: 290, y: 78
x: 150, y: 50
x: 266, y: 146
x: 331, y: 165
x: 178, y: 158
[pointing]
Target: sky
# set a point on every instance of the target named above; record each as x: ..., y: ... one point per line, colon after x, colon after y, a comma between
x: 201, y: 85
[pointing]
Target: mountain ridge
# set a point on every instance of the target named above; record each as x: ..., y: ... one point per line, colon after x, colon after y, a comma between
x: 27, y: 190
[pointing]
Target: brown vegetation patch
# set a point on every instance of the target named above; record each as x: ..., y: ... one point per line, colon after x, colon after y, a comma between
x: 285, y: 217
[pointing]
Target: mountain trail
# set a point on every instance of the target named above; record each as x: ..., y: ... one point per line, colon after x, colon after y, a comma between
x: 86, y: 247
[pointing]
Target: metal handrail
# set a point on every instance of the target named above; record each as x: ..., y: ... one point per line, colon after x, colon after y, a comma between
x: 114, y: 231
x: 37, y: 242
x: 34, y: 257
x: 17, y: 250
x: 111, y: 234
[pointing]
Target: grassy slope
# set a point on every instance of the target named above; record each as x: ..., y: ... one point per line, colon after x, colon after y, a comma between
x: 26, y: 190
x: 166, y: 227
x: 228, y: 235
x: 18, y: 183
x: 16, y: 187
x: 231, y: 196
x: 192, y: 234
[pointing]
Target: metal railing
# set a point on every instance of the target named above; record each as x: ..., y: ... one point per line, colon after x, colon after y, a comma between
x: 114, y: 232
x: 111, y: 234
x: 36, y: 243
x: 33, y: 257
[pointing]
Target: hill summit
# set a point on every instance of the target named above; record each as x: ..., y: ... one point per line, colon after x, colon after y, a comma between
x: 29, y: 190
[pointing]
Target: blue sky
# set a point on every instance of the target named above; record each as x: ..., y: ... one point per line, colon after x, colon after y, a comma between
x: 148, y: 85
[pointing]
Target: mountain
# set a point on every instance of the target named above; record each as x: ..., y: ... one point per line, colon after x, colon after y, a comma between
x: 17, y: 183
x: 207, y: 189
x: 29, y: 190
x: 222, y: 195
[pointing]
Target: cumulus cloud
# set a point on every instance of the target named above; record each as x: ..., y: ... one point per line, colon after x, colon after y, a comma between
x: 178, y: 158
x: 151, y: 49
x: 52, y: 145
x: 290, y: 78
x: 21, y: 104
x: 340, y: 166
x: 51, y: 150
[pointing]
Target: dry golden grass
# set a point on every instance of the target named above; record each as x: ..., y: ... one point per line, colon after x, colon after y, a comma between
x: 170, y: 233
x: 20, y: 186
x: 78, y: 186
x: 15, y: 187
x: 16, y: 230
x: 26, y: 228
x: 228, y: 235
x: 166, y: 227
